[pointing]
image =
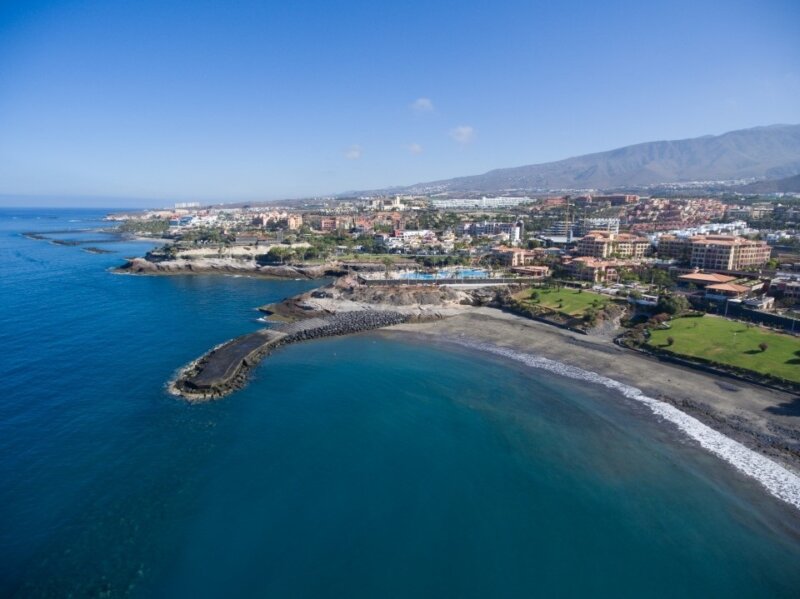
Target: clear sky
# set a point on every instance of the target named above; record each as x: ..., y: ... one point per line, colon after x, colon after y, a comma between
x: 241, y: 100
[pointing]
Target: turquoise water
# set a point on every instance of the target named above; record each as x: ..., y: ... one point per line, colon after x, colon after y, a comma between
x: 367, y: 466
x: 445, y: 273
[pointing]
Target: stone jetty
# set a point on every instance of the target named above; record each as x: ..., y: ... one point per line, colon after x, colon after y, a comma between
x: 225, y: 369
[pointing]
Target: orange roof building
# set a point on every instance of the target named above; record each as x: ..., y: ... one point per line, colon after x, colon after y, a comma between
x: 727, y: 289
x: 717, y: 252
x: 701, y: 279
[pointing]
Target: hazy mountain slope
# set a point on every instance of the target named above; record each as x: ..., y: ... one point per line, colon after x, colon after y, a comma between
x: 764, y: 152
x: 787, y: 185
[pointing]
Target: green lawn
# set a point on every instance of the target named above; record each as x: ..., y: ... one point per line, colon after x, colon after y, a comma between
x: 566, y: 301
x: 732, y: 343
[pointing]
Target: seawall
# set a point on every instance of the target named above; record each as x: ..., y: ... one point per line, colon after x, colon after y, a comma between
x: 225, y: 368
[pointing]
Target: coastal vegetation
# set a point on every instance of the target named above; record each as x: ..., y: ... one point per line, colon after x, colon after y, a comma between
x: 577, y: 309
x: 728, y: 343
x: 140, y: 226
x: 565, y: 301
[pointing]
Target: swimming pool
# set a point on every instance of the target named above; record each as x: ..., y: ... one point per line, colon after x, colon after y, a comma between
x: 447, y: 273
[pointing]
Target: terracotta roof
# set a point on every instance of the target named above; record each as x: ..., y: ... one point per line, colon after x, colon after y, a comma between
x: 729, y: 287
x: 706, y: 277
x: 610, y: 236
x: 589, y: 262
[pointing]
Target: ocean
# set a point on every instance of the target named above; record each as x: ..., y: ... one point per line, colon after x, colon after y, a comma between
x: 367, y: 466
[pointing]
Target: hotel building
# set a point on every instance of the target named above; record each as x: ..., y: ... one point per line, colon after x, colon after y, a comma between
x: 605, y: 244
x: 715, y: 252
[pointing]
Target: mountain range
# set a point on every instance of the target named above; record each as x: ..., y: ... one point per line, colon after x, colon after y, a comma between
x: 771, y: 152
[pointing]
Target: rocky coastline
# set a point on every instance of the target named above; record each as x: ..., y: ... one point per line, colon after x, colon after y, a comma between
x: 227, y: 266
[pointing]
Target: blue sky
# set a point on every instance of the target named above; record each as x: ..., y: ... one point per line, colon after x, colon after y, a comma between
x: 242, y: 100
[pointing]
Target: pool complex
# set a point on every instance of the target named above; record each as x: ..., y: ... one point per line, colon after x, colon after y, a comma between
x: 447, y: 273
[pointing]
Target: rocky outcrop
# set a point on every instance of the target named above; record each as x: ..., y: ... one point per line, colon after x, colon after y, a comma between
x: 142, y: 266
x: 423, y: 302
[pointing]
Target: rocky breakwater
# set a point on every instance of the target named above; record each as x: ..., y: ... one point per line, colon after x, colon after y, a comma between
x: 225, y: 369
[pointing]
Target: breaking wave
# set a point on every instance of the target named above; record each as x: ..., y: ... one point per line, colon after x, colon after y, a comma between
x: 779, y: 481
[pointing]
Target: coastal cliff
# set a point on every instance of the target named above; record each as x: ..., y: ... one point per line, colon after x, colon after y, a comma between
x: 233, y: 266
x: 164, y: 262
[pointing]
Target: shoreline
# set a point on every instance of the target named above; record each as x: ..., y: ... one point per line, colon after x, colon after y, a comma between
x: 757, y: 417
x: 252, y: 274
x: 221, y: 266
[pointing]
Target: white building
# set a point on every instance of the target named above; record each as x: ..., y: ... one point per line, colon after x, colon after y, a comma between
x: 737, y: 227
x: 586, y: 225
x: 484, y: 202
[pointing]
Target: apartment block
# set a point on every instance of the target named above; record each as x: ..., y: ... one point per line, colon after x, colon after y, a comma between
x: 605, y: 244
x: 715, y: 252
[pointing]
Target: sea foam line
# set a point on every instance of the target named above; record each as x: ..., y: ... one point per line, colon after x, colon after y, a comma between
x: 779, y: 481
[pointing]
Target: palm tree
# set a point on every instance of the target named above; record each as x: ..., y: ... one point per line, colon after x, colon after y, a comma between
x: 387, y: 262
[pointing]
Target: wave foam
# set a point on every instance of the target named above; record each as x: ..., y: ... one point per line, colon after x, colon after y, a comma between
x: 779, y: 481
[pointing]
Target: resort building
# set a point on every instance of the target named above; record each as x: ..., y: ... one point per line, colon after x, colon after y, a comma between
x: 715, y: 252
x: 722, y: 252
x: 704, y: 279
x: 726, y: 291
x: 586, y: 268
x: 618, y: 199
x: 605, y: 244
x: 675, y: 247
x: 786, y: 286
x: 728, y: 253
x: 535, y: 272
x: 517, y: 257
x: 395, y: 203
x: 484, y: 202
x: 514, y: 230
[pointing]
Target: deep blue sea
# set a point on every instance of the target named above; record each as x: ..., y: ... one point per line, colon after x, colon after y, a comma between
x: 367, y: 466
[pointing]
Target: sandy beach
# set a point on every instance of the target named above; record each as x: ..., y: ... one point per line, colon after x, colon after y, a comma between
x: 762, y: 419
